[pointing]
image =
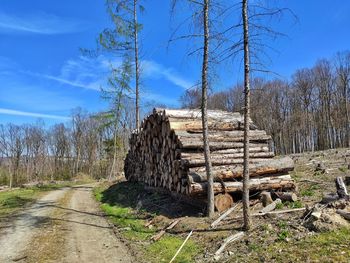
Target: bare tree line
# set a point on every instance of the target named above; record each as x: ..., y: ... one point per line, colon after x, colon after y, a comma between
x: 85, y: 145
x: 307, y: 113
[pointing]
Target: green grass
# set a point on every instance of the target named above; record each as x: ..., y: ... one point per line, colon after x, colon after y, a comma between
x: 289, y: 205
x: 343, y: 169
x: 164, y: 249
x: 13, y: 200
x: 310, y: 191
x: 119, y: 202
x: 323, y: 247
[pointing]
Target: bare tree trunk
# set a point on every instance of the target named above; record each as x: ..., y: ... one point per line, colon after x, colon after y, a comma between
x: 204, y: 109
x: 246, y: 215
x: 11, y: 177
x: 347, y: 118
x: 137, y: 80
x: 114, y: 153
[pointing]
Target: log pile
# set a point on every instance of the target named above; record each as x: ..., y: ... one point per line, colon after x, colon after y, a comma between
x: 167, y: 152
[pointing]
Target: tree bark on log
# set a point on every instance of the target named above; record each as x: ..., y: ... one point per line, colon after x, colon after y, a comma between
x: 256, y: 184
x: 173, y: 160
x: 344, y: 213
x: 271, y: 206
x: 264, y: 167
x: 341, y: 188
x: 286, y: 196
x: 223, y: 202
x: 266, y: 198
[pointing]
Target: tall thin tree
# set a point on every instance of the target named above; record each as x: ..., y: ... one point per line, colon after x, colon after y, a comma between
x: 246, y: 215
x: 123, y: 40
x: 200, y: 16
x: 137, y: 66
x: 210, y: 190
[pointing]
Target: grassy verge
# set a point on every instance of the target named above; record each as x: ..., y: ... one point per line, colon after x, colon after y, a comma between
x: 120, y: 203
x: 324, y: 247
x: 13, y: 200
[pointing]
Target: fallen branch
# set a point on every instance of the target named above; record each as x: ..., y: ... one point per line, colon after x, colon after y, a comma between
x: 178, y: 251
x: 279, y: 212
x: 343, y: 213
x: 311, y: 181
x: 271, y: 206
x: 341, y: 188
x: 266, y: 198
x: 223, y: 216
x: 162, y: 232
x: 329, y: 198
x: 228, y: 240
x: 286, y: 196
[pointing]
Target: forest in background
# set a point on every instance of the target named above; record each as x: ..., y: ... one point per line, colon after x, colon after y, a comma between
x: 309, y: 112
x: 83, y: 146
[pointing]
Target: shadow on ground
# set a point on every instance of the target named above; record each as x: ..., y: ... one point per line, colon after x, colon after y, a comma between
x: 130, y: 194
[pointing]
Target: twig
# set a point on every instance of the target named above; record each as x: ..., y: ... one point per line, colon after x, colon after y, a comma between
x: 271, y: 206
x: 280, y: 212
x: 178, y: 251
x: 228, y: 240
x: 310, y: 181
x: 224, y: 215
x: 344, y: 214
x: 162, y: 232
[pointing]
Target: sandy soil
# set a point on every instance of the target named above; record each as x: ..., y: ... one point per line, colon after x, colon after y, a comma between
x: 64, y: 226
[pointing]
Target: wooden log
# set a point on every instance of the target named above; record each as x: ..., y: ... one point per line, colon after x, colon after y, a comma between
x: 228, y: 240
x: 329, y: 198
x: 286, y: 196
x: 217, y: 117
x: 223, y: 216
x: 341, y: 188
x: 218, y: 161
x: 169, y: 144
x: 158, y: 236
x: 225, y: 173
x: 256, y: 184
x: 344, y: 213
x: 214, y: 156
x: 188, y: 144
x: 223, y: 202
x: 266, y: 198
x: 224, y: 136
x: 347, y: 180
x: 239, y: 150
x: 280, y: 212
x: 271, y: 206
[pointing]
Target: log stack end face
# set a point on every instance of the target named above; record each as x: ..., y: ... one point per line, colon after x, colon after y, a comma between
x: 167, y: 152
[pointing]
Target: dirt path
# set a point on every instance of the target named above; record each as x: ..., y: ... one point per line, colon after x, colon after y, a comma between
x: 64, y: 226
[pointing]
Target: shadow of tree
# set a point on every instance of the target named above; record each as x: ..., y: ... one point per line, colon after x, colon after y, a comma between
x: 133, y: 195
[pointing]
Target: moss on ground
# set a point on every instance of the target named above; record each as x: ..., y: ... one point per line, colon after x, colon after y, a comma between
x: 120, y: 204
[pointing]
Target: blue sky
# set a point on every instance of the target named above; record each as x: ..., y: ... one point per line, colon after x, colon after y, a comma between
x: 43, y: 74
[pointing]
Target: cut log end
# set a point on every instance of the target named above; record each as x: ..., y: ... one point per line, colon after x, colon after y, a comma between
x: 223, y: 202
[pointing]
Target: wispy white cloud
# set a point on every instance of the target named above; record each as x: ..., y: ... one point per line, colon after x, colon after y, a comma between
x: 92, y: 73
x: 151, y: 68
x: 86, y: 73
x: 32, y: 114
x: 39, y: 23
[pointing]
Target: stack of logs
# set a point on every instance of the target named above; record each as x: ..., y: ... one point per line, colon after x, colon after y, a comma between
x: 167, y: 152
